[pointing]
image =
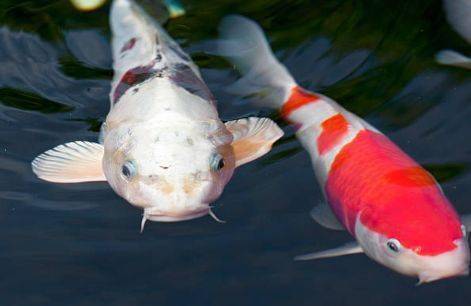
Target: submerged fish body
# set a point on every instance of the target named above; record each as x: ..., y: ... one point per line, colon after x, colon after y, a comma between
x: 163, y: 147
x: 394, y: 209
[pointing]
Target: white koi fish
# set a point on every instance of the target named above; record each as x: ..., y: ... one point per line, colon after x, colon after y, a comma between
x: 163, y: 147
x: 458, y: 14
x: 394, y: 209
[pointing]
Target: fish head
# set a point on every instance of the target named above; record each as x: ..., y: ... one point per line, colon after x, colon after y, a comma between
x: 430, y: 246
x: 174, y: 172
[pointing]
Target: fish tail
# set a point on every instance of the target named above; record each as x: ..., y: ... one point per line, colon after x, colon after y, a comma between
x: 244, y: 44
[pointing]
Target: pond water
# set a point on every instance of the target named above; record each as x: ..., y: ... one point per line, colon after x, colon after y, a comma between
x: 80, y: 244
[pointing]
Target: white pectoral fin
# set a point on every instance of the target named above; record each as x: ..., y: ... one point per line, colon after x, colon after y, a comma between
x: 323, y: 215
x: 253, y: 138
x: 466, y: 221
x: 346, y: 249
x: 73, y: 162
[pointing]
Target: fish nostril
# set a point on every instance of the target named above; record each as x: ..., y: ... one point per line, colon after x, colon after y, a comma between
x: 154, y: 178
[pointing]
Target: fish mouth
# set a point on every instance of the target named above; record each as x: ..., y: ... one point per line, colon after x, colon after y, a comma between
x: 454, y: 263
x: 169, y: 216
x: 428, y: 278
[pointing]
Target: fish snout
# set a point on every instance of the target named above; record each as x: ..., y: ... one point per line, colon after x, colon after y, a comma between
x: 450, y: 264
x: 189, y: 185
x: 433, y: 275
x: 174, y: 214
x: 175, y: 198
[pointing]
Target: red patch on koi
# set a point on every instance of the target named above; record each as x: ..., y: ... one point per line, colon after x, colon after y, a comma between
x: 129, y: 45
x: 333, y: 130
x: 396, y: 197
x: 133, y: 77
x: 298, y: 98
x: 410, y: 177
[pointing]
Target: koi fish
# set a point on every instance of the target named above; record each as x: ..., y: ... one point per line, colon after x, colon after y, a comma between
x: 395, y: 210
x: 162, y: 147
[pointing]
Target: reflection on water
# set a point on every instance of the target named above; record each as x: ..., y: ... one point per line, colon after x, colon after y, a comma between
x: 79, y: 244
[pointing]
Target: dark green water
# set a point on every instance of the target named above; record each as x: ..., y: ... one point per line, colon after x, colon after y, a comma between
x: 80, y: 244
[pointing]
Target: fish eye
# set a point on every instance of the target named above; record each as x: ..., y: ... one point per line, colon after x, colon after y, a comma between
x: 394, y: 245
x: 217, y: 162
x: 128, y: 169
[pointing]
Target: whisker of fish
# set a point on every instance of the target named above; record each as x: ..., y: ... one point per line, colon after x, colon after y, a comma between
x: 143, y: 222
x: 213, y: 215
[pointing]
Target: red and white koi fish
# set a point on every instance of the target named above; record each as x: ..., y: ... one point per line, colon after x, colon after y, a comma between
x: 163, y: 147
x: 394, y: 209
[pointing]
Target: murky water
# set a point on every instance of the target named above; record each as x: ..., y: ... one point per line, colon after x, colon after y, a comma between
x: 80, y: 244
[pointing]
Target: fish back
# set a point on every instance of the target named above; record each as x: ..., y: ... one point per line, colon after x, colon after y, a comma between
x: 143, y: 51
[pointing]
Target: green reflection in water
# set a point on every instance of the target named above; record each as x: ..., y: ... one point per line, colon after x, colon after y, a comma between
x: 30, y: 101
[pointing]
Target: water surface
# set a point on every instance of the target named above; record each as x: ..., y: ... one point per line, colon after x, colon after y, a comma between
x: 80, y: 244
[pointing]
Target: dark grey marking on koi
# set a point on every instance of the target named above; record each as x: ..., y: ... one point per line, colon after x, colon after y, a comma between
x: 182, y: 75
x: 129, y: 45
x: 135, y: 76
x: 176, y: 49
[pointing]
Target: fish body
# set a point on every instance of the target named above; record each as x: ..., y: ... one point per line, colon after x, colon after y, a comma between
x: 395, y: 210
x: 163, y: 146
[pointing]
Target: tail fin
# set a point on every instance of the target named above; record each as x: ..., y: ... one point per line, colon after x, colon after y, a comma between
x: 245, y: 46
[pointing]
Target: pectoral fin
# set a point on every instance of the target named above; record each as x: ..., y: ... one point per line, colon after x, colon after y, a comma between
x: 253, y: 138
x: 346, y: 249
x: 72, y: 162
x: 323, y: 215
x: 466, y: 221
